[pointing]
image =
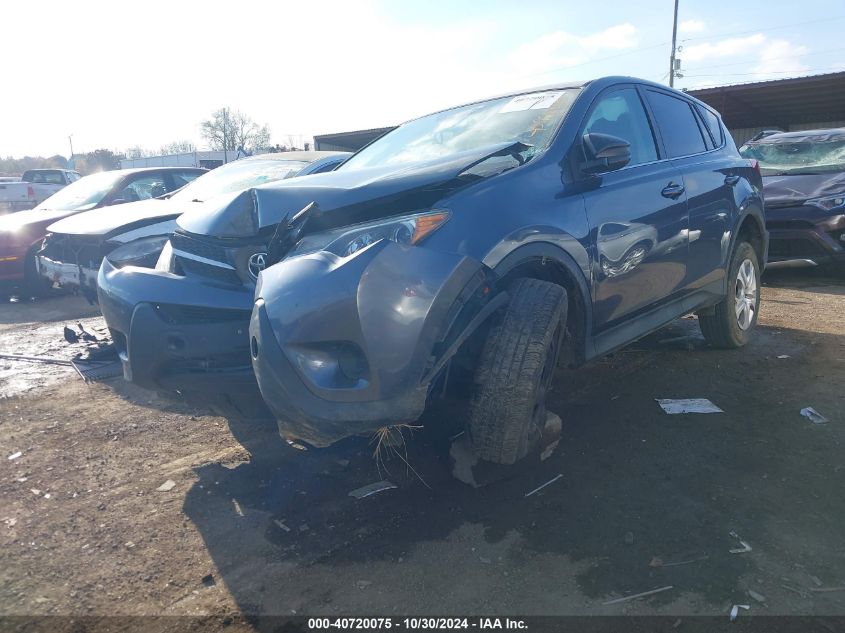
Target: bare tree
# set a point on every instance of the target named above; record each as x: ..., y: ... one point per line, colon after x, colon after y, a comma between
x: 230, y: 129
x: 178, y: 147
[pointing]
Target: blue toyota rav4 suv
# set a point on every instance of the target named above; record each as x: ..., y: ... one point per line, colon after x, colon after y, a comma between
x: 504, y: 235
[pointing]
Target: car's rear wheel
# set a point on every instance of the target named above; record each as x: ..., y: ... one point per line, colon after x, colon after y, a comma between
x: 730, y: 323
x: 34, y: 284
x: 515, y: 370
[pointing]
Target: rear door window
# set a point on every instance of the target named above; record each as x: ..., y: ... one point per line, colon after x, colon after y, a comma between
x: 182, y: 178
x: 620, y: 113
x: 678, y: 126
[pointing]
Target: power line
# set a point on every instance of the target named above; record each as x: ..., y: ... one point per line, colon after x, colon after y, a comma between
x: 599, y: 59
x: 769, y: 59
x: 797, y: 73
x: 771, y: 28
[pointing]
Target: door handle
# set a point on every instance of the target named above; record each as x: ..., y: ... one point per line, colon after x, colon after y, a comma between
x: 673, y: 190
x: 731, y: 180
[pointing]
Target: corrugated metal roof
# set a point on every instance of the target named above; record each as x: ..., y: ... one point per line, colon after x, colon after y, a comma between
x: 778, y: 102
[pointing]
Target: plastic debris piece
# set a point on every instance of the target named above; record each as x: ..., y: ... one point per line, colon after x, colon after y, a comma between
x: 739, y: 550
x: 782, y: 356
x: 735, y: 610
x: 167, y: 485
x: 281, y: 524
x: 548, y: 483
x: 639, y: 595
x: 371, y: 489
x: 551, y: 435
x: 14, y: 456
x: 237, y: 505
x: 687, y: 405
x: 826, y: 589
x: 757, y: 596
x: 813, y: 416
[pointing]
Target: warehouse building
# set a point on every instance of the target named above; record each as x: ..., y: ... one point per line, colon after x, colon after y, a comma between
x: 801, y: 103
x: 348, y: 141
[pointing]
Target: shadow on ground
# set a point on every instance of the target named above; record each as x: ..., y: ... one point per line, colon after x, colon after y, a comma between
x: 645, y: 499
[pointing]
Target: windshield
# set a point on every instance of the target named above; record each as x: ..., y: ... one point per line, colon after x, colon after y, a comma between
x: 530, y: 118
x: 797, y: 158
x: 238, y: 176
x: 85, y: 192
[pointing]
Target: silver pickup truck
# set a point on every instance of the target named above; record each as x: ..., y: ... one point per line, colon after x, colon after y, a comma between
x: 33, y: 188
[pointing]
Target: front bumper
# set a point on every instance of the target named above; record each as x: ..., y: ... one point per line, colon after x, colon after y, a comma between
x: 805, y: 235
x: 68, y: 275
x: 178, y: 333
x: 344, y: 346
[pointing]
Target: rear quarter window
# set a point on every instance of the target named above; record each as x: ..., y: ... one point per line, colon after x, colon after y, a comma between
x: 713, y: 125
x: 678, y: 126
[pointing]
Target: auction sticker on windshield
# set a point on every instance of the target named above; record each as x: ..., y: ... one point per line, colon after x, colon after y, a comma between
x: 533, y: 101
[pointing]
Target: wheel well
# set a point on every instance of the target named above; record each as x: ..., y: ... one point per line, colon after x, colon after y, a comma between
x: 750, y: 231
x: 549, y: 270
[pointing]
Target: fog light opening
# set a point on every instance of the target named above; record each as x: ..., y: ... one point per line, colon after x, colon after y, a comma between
x: 175, y: 343
x: 351, y: 362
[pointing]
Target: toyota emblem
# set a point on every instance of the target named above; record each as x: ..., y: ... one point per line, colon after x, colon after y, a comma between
x: 257, y: 263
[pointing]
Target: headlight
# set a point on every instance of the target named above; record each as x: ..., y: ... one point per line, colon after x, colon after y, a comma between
x: 829, y: 203
x: 346, y: 241
x: 144, y: 252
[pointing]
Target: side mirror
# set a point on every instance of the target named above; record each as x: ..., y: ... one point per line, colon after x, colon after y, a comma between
x: 604, y: 153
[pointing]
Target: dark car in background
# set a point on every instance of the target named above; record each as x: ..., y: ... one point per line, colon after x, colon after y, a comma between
x: 74, y: 247
x: 499, y: 237
x: 22, y: 233
x: 804, y: 189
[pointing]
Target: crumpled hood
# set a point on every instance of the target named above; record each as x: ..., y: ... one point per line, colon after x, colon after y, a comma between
x: 344, y: 197
x: 125, y: 216
x: 32, y: 217
x: 779, y: 191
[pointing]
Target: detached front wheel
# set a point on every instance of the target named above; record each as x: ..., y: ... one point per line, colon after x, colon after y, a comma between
x: 731, y: 322
x: 515, y: 371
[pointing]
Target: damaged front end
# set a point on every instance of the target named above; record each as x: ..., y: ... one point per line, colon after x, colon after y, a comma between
x: 352, y: 330
x: 72, y: 262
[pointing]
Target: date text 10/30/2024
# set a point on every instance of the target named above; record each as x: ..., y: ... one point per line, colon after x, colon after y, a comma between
x: 413, y: 624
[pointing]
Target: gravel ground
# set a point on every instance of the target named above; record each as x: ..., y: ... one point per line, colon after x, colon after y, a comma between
x: 253, y: 525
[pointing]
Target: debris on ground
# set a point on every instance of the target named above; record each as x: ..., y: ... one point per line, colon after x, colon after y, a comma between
x: 735, y: 610
x: 756, y: 596
x: 463, y: 461
x: 827, y: 589
x: 551, y: 435
x: 238, y: 509
x: 639, y: 595
x: 281, y: 525
x: 687, y: 405
x: 628, y: 538
x: 166, y: 486
x: 657, y: 561
x: 548, y: 483
x: 14, y: 456
x: 208, y: 580
x: 35, y: 359
x: 739, y: 550
x: 371, y: 489
x: 363, y: 584
x: 296, y: 445
x: 782, y: 356
x: 813, y: 416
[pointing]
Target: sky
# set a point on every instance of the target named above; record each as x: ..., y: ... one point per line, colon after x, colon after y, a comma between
x: 121, y: 74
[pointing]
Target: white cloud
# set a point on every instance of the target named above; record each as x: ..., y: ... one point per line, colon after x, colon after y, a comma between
x: 780, y: 57
x: 561, y: 49
x: 691, y: 26
x: 724, y: 48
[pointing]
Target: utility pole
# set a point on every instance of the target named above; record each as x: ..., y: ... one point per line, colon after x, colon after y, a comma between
x: 672, y: 57
x: 70, y: 140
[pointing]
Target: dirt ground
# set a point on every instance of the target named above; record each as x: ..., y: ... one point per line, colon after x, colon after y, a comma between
x: 256, y: 526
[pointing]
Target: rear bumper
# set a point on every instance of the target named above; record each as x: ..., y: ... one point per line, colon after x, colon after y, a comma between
x: 176, y: 333
x: 805, y: 235
x: 341, y: 347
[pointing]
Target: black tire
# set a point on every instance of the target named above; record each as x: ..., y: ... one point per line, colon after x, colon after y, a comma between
x: 515, y: 369
x: 720, y: 326
x: 34, y: 284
